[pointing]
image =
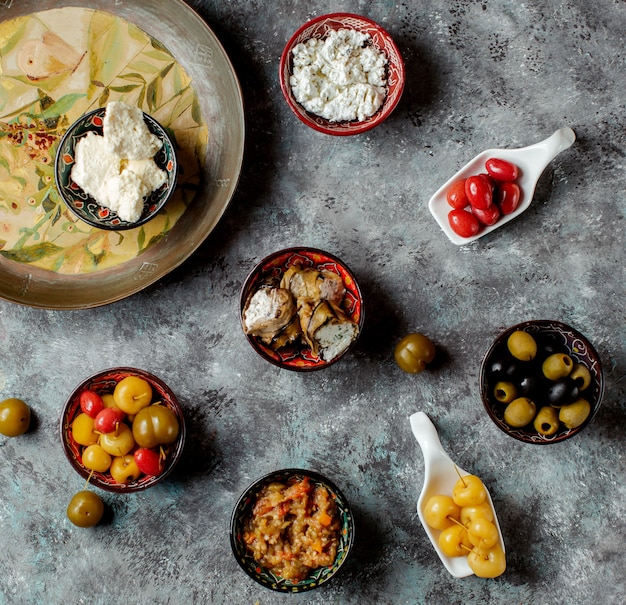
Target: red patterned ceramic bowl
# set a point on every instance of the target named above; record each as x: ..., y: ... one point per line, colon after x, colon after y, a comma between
x: 102, y: 383
x: 380, y: 39
x: 501, y: 372
x: 299, y: 357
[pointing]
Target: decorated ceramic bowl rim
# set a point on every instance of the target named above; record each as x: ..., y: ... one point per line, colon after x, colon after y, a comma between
x: 319, y: 27
x: 72, y: 408
x: 152, y: 204
x: 587, y: 350
x: 298, y: 362
x: 265, y: 577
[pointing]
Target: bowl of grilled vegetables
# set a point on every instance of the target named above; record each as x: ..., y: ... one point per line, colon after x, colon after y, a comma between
x: 301, y: 309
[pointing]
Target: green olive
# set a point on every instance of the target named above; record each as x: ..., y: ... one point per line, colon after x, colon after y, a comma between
x: 547, y: 421
x: 14, y: 417
x: 522, y: 345
x: 505, y: 392
x: 519, y: 412
x: 85, y: 509
x: 574, y: 414
x: 581, y: 375
x: 414, y: 352
x: 557, y: 365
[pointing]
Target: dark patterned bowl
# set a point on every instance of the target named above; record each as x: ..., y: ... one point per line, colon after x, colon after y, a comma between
x: 265, y: 577
x: 296, y: 357
x: 381, y: 40
x: 104, y: 382
x: 82, y: 204
x: 561, y: 338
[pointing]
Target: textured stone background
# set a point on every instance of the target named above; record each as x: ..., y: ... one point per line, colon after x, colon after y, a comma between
x: 480, y: 74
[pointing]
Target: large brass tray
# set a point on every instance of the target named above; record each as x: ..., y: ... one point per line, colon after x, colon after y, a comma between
x: 195, y: 47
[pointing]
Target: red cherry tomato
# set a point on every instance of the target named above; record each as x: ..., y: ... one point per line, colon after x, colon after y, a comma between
x: 463, y: 223
x: 488, y: 180
x: 456, y: 195
x: 148, y: 461
x: 91, y: 403
x: 507, y: 197
x: 107, y: 420
x: 478, y: 192
x: 501, y: 170
x: 489, y: 216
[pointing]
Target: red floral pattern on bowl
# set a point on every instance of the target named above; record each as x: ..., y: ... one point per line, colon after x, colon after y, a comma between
x: 104, y: 382
x: 300, y: 358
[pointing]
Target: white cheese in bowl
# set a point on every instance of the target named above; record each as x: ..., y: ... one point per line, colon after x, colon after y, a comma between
x: 118, y: 169
x: 341, y: 77
x: 126, y: 133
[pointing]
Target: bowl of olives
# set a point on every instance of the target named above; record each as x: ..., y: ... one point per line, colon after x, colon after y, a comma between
x: 123, y: 429
x: 541, y: 382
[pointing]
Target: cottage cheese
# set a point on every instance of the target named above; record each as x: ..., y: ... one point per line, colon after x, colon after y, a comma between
x: 118, y: 169
x: 340, y: 78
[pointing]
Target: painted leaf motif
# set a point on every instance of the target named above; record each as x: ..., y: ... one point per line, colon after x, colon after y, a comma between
x: 103, y: 99
x: 144, y: 66
x: 61, y: 107
x: 14, y: 39
x: 29, y: 254
x: 158, y: 55
x: 133, y: 77
x: 141, y: 238
x: 126, y: 88
x: 152, y: 94
x: 196, y: 114
x: 107, y: 52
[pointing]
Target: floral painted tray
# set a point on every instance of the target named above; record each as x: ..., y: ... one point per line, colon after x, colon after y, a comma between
x: 59, y: 61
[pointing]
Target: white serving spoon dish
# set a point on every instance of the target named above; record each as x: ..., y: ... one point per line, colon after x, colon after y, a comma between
x: 440, y: 476
x: 531, y: 162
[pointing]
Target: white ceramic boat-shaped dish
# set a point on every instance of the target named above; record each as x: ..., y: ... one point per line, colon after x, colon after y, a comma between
x: 440, y: 476
x: 531, y: 161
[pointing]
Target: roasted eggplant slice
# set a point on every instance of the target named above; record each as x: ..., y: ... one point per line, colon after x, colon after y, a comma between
x: 326, y: 328
x: 287, y: 335
x: 311, y: 284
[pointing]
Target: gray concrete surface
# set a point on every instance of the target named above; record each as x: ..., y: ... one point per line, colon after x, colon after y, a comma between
x: 479, y: 75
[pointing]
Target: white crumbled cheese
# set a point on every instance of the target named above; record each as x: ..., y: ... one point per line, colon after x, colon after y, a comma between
x: 118, y: 169
x: 341, y: 77
x: 127, y: 134
x: 129, y: 193
x: 150, y: 174
x: 94, y: 167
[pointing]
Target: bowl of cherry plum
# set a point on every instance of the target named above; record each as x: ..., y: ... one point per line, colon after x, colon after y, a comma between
x: 123, y: 429
x: 541, y: 382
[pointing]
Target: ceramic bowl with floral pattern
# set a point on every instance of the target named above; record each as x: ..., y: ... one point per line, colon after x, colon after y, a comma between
x: 244, y: 509
x: 297, y: 355
x: 85, y: 206
x: 319, y: 28
x: 504, y: 378
x: 104, y: 382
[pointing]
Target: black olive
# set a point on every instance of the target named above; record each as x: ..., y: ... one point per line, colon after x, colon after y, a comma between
x: 532, y: 386
x: 512, y: 369
x: 563, y: 391
x: 495, y: 367
x: 549, y: 343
